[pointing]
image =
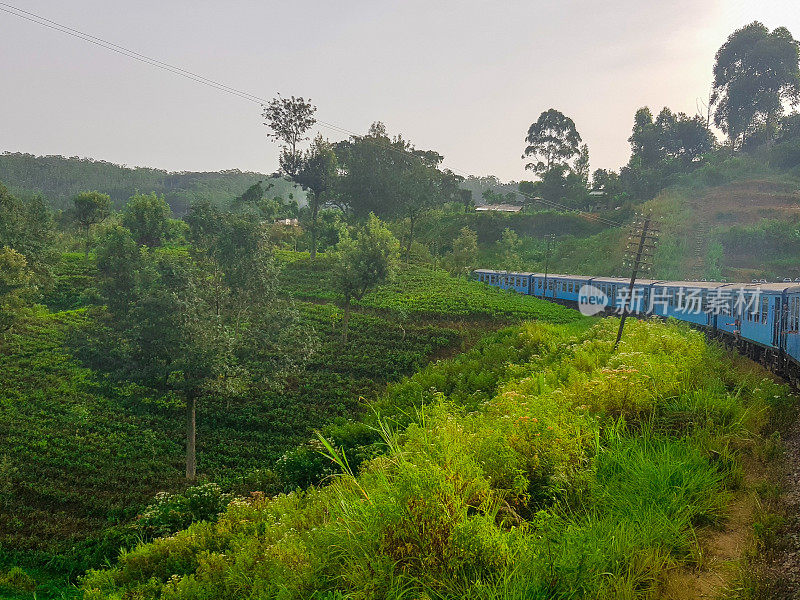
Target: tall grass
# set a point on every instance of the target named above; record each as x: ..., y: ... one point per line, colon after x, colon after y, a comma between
x: 568, y: 471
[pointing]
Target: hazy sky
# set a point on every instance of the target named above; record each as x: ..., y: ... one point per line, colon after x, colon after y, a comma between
x: 465, y: 78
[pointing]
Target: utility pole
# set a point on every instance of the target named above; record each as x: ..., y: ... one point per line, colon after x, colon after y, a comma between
x: 638, y: 255
x: 551, y: 238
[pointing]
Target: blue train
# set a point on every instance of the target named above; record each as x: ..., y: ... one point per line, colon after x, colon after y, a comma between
x: 762, y: 320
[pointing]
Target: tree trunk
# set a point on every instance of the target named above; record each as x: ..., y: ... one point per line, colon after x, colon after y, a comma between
x: 410, y: 238
x: 314, y: 211
x: 345, y: 319
x: 191, y: 428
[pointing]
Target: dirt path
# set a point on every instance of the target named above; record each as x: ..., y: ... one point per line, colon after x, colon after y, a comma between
x: 720, y: 550
x: 783, y: 565
x: 723, y: 550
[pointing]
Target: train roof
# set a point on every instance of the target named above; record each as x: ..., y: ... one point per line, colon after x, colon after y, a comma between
x: 562, y: 276
x: 771, y: 288
x: 525, y: 273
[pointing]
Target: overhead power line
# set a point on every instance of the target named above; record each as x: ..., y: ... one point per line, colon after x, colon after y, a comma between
x: 222, y: 87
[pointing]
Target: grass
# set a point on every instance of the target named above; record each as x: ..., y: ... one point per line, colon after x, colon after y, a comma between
x: 540, y: 464
x: 82, y: 456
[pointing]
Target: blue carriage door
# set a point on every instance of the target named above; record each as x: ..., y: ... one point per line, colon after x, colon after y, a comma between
x: 779, y: 326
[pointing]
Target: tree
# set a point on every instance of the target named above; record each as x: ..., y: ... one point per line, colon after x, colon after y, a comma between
x: 465, y: 198
x: 199, y: 322
x: 552, y: 141
x: 608, y: 182
x: 581, y: 168
x: 288, y: 120
x: 420, y: 193
x: 465, y: 252
x: 510, y: 246
x: 119, y: 264
x: 252, y: 196
x: 363, y: 261
x: 27, y: 227
x: 644, y: 140
x: 755, y: 72
x: 90, y: 208
x: 147, y: 217
x: 318, y: 173
x: 389, y: 177
x: 16, y: 286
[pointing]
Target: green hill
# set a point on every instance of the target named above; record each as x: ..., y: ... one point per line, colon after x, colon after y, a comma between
x: 541, y: 464
x: 81, y: 455
x: 58, y: 178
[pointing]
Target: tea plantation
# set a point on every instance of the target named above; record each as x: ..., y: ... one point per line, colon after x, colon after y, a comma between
x: 82, y: 454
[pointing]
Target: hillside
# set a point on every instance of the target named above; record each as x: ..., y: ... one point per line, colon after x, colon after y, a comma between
x: 739, y: 231
x: 81, y: 454
x: 526, y: 468
x: 58, y: 178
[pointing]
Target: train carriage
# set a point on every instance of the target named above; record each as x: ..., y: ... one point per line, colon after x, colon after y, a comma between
x: 559, y: 287
x: 762, y: 319
x: 790, y: 340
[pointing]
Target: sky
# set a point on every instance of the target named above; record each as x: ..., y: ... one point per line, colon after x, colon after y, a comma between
x: 465, y: 78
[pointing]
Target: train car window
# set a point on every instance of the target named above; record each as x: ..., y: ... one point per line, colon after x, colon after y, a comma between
x: 764, y: 309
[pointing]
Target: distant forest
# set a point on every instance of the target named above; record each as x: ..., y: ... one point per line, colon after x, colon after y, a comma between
x: 58, y: 179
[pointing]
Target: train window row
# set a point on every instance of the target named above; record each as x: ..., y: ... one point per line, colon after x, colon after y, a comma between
x: 794, y: 315
x: 494, y: 278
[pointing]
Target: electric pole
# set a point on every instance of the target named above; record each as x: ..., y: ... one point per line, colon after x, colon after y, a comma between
x: 639, y: 256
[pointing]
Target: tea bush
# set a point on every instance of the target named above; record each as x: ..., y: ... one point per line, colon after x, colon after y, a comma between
x: 540, y: 464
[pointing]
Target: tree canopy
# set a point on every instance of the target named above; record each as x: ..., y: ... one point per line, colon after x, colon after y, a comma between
x: 552, y: 140
x: 755, y: 72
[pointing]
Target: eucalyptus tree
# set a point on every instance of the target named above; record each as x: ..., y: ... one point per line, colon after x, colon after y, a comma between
x: 552, y: 141
x: 756, y: 71
x: 89, y: 208
x: 288, y: 120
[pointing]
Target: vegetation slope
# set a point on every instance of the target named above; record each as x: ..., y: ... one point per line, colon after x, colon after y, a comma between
x: 540, y: 464
x: 83, y: 454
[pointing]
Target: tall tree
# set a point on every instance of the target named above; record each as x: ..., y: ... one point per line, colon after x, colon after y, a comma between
x: 318, y: 173
x: 27, y: 227
x: 200, y: 322
x: 552, y: 141
x: 581, y: 168
x: 147, y: 217
x: 363, y: 261
x: 465, y: 252
x: 386, y: 176
x: 16, y: 287
x: 755, y: 72
x: 420, y: 191
x: 288, y: 120
x: 90, y: 208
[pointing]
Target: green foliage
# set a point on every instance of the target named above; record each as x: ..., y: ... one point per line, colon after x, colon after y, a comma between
x: 172, y: 512
x: 552, y: 141
x: 26, y: 226
x: 147, y: 218
x: 755, y: 71
x: 464, y: 257
x: 16, y: 286
x: 18, y: 580
x: 59, y: 178
x: 507, y: 485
